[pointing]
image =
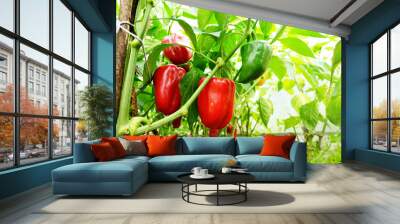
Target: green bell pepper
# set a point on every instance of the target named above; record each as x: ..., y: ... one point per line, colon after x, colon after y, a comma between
x: 255, y: 57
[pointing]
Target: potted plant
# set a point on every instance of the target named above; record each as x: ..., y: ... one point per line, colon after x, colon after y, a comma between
x: 96, y: 103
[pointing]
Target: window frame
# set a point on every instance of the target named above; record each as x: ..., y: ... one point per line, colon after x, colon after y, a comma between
x: 388, y: 74
x: 16, y: 115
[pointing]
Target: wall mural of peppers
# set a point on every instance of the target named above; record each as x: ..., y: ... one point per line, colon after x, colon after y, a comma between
x: 198, y: 72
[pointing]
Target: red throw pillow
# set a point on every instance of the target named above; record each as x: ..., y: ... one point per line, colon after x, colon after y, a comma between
x: 103, y: 152
x: 135, y: 137
x: 161, y: 145
x: 116, y: 145
x: 277, y: 145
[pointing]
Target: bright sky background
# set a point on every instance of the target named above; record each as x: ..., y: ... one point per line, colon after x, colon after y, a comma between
x: 35, y: 27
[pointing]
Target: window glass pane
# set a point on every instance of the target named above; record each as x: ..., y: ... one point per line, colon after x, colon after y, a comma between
x: 6, y: 74
x: 81, y: 45
x: 395, y: 47
x: 7, y: 14
x: 81, y: 82
x: 62, y: 29
x: 62, y: 138
x: 379, y: 97
x: 379, y: 55
x: 395, y: 94
x: 81, y: 131
x: 395, y: 136
x: 34, y: 96
x: 379, y: 135
x: 35, y: 21
x: 62, y: 89
x: 6, y: 142
x: 33, y: 139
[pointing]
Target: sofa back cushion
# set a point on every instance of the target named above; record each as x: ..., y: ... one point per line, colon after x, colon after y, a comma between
x: 83, y: 152
x: 249, y: 145
x: 116, y: 145
x: 206, y: 145
x: 161, y: 145
x: 104, y: 151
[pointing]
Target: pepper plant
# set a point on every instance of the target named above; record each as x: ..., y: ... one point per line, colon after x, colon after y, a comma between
x: 200, y: 72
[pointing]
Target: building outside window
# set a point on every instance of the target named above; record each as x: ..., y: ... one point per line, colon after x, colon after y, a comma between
x: 57, y: 127
x: 385, y: 96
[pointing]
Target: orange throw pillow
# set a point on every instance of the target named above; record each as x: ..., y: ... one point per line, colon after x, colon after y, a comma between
x: 161, y: 145
x: 135, y: 137
x: 277, y: 145
x: 116, y: 145
x: 103, y: 152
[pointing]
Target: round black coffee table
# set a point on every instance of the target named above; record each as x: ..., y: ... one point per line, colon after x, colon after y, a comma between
x: 238, y: 179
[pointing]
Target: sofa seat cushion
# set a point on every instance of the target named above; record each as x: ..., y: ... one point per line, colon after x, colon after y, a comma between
x: 257, y: 163
x: 185, y: 163
x: 113, y: 171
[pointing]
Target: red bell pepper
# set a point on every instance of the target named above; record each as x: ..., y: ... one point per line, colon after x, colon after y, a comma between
x: 177, y: 54
x: 215, y: 103
x: 166, y: 90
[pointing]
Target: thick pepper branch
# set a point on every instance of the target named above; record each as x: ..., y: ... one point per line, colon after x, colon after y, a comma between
x: 185, y: 108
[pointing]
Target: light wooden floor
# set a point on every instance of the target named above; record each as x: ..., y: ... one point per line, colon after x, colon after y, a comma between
x: 379, y: 189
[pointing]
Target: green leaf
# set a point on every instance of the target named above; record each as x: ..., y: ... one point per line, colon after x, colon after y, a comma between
x: 278, y: 67
x: 189, y: 15
x: 206, y: 42
x: 188, y: 86
x: 307, y: 33
x: 265, y: 109
x: 266, y: 28
x: 299, y: 100
x: 203, y: 18
x: 139, y: 16
x: 334, y: 111
x: 228, y: 42
x: 309, y: 114
x: 291, y: 122
x: 288, y: 85
x: 151, y: 63
x: 222, y: 19
x: 189, y: 32
x: 167, y: 9
x: 337, y: 56
x: 298, y: 46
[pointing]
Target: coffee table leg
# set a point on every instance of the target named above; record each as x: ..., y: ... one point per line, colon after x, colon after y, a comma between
x: 245, y: 193
x: 217, y: 194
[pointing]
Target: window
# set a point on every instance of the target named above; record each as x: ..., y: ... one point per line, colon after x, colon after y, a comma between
x: 7, y: 74
x: 46, y: 75
x: 385, y: 97
x: 81, y: 45
x: 30, y: 88
x: 7, y: 14
x: 35, y: 21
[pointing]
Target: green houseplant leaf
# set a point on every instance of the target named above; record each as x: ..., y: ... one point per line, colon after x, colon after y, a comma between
x: 298, y: 46
x: 187, y: 87
x: 291, y: 122
x: 265, y: 109
x: 333, y: 110
x: 337, y: 56
x: 278, y: 67
x: 189, y: 32
x: 309, y: 114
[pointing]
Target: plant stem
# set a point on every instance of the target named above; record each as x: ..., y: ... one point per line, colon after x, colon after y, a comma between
x: 278, y: 34
x: 184, y: 109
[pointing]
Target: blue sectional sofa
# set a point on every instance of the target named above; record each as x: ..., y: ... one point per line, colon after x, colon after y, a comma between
x: 125, y: 176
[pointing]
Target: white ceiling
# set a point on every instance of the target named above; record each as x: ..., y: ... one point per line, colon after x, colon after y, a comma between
x: 318, y: 15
